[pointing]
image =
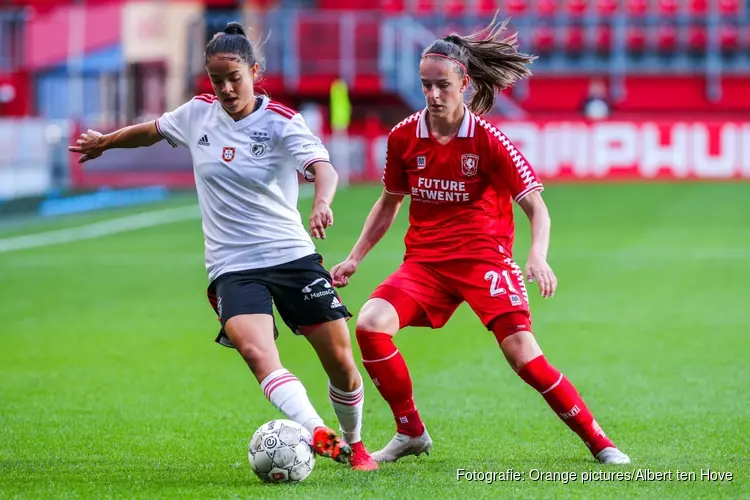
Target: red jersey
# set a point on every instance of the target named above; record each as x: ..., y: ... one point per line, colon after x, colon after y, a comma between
x: 461, y: 192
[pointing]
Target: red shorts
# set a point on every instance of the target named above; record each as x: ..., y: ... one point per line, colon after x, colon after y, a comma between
x: 492, y: 286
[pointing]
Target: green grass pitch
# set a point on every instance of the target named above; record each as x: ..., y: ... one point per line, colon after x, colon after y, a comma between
x: 111, y: 385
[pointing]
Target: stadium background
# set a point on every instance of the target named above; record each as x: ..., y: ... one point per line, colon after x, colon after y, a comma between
x: 636, y: 118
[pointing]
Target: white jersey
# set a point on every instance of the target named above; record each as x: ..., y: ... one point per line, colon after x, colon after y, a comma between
x: 246, y: 177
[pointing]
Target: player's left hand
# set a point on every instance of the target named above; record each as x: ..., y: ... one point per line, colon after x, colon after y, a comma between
x: 320, y: 218
x: 538, y: 270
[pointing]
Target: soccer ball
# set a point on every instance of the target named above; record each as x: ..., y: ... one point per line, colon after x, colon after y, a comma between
x: 281, y: 451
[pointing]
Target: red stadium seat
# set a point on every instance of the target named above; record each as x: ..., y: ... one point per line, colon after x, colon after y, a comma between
x: 574, y: 39
x: 666, y: 38
x: 516, y: 7
x: 698, y: 6
x: 668, y: 7
x: 729, y: 39
x: 486, y: 7
x: 697, y: 39
x: 603, y: 38
x: 637, y: 7
x: 544, y: 39
x: 546, y: 7
x: 326, y: 35
x: 729, y: 7
x: 392, y: 5
x: 607, y: 6
x: 636, y: 39
x: 421, y: 7
x: 577, y: 7
x: 454, y: 7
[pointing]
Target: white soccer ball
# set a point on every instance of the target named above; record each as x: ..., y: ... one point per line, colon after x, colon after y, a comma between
x: 281, y: 451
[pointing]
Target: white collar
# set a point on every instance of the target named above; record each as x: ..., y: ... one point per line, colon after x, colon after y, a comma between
x: 468, y: 124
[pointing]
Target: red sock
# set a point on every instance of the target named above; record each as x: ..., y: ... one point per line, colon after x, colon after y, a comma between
x: 563, y: 398
x: 390, y: 375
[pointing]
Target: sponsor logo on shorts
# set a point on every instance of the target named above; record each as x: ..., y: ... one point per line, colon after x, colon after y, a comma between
x: 325, y: 284
x: 317, y: 295
x: 318, y: 283
x: 335, y: 303
x: 515, y: 300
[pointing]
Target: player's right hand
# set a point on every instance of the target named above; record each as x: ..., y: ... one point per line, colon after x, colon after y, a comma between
x: 89, y: 145
x: 341, y: 272
x: 538, y: 270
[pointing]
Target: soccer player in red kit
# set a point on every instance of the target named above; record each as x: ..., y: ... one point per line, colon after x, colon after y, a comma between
x: 462, y: 174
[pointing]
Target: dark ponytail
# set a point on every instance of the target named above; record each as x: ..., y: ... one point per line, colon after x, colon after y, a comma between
x: 233, y: 40
x: 493, y: 63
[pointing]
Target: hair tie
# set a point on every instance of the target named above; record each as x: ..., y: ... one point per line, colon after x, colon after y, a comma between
x: 435, y: 54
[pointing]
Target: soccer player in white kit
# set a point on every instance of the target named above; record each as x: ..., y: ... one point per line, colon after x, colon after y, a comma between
x: 257, y: 249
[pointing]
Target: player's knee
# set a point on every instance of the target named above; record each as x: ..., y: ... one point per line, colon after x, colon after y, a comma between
x: 520, y: 348
x: 253, y: 354
x: 377, y: 316
x: 369, y: 323
x: 261, y: 357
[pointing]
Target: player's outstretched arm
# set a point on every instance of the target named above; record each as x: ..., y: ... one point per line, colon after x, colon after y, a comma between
x: 326, y: 180
x: 377, y: 224
x: 537, y: 268
x: 92, y: 144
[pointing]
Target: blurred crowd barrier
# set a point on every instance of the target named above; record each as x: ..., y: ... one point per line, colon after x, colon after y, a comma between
x: 35, y: 160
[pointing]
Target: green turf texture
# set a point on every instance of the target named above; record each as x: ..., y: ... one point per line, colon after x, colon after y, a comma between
x: 111, y: 385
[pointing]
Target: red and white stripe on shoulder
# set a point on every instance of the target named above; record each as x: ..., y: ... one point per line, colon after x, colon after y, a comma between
x: 207, y: 98
x: 279, y: 108
x: 406, y: 121
x: 524, y: 170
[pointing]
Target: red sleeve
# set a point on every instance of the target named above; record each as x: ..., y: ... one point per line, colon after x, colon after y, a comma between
x: 394, y: 176
x: 513, y: 170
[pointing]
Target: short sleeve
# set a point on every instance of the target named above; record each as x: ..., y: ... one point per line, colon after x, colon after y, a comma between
x: 305, y: 147
x: 394, y: 175
x: 513, y: 170
x: 174, y: 125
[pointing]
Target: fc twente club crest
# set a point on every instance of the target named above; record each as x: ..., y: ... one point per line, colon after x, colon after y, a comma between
x: 469, y: 164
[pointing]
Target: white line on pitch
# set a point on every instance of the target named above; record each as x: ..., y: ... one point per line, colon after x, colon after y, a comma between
x: 99, y: 229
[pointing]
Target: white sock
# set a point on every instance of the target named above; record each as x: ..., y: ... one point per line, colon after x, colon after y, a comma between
x: 288, y: 394
x: 348, y: 408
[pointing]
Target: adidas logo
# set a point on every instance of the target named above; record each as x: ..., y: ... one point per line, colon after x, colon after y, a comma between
x: 335, y: 303
x: 203, y: 141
